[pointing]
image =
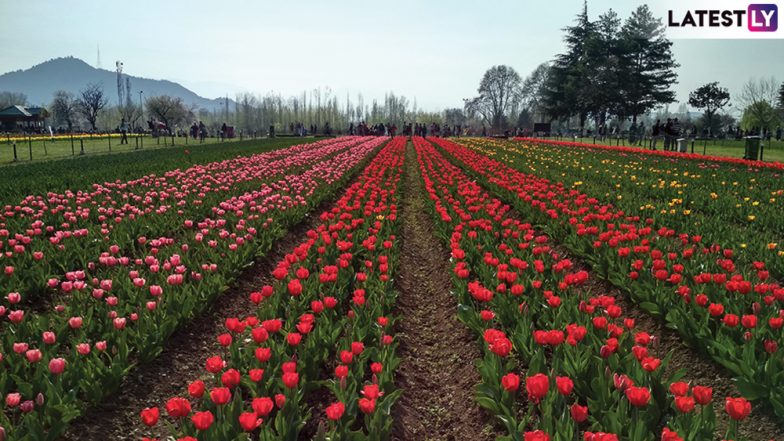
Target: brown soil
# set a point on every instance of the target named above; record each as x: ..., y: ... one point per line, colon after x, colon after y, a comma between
x: 761, y: 425
x: 437, y: 373
x: 182, y: 359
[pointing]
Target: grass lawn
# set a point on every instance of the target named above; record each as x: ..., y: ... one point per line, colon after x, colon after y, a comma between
x: 46, y: 149
x: 772, y: 151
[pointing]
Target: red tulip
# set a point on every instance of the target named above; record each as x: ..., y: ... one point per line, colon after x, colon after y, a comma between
x: 510, y: 382
x: 536, y: 436
x: 737, y: 408
x: 565, y: 385
x: 220, y: 395
x: 638, y: 396
x: 215, y: 364
x: 537, y: 386
x: 290, y: 379
x: 230, y: 378
x: 579, y: 413
x: 367, y: 405
x: 262, y: 406
x: 702, y: 394
x: 684, y: 404
x: 178, y: 407
x: 150, y: 416
x: 501, y: 346
x: 335, y: 411
x: 56, y: 366
x: 679, y: 388
x: 249, y: 421
x: 202, y: 420
x: 196, y: 389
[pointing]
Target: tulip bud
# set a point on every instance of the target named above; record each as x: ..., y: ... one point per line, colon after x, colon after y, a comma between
x: 39, y: 399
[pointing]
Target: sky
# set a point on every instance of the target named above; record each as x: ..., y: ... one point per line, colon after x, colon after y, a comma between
x: 433, y: 50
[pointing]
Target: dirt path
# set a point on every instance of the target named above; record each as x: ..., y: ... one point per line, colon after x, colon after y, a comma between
x: 183, y: 357
x: 437, y: 373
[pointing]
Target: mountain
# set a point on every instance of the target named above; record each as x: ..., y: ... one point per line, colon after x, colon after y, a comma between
x: 72, y: 74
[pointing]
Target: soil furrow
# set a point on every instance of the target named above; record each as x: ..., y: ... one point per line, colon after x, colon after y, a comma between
x: 437, y: 373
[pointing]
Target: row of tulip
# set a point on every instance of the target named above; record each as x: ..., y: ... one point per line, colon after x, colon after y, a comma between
x: 45, y: 236
x: 730, y: 311
x: 737, y: 205
x: 323, y: 324
x: 587, y: 372
x: 122, y: 306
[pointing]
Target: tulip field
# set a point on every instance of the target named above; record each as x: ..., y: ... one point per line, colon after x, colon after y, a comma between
x: 591, y: 293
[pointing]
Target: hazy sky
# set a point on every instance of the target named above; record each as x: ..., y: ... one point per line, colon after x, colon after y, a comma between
x: 433, y: 50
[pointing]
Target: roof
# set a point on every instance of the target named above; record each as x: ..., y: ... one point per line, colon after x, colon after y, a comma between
x: 15, y: 111
x: 23, y: 113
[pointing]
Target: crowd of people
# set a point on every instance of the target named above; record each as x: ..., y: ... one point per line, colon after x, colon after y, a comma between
x: 409, y: 129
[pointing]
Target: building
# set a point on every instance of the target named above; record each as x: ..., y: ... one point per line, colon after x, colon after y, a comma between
x: 23, y: 119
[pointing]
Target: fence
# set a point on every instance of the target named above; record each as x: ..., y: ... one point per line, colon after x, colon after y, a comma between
x: 773, y: 149
x: 15, y: 148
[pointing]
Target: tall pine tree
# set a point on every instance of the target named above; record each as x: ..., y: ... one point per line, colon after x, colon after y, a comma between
x: 647, y: 67
x: 567, y: 94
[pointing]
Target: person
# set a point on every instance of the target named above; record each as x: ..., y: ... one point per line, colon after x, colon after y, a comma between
x: 124, y: 131
x: 778, y: 133
x: 641, y: 136
x: 224, y: 128
x: 668, y: 134
x: 655, y: 134
x: 633, y: 133
x: 484, y: 131
x: 676, y: 133
x: 202, y: 131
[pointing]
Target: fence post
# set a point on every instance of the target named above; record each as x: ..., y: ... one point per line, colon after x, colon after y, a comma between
x: 136, y: 138
x: 73, y: 152
x: 109, y: 137
x: 142, y: 144
x: 692, y: 146
x: 81, y: 146
x: 30, y: 148
x: 46, y: 152
x: 15, y: 158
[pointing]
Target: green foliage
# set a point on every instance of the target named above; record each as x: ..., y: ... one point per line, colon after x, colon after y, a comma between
x: 710, y: 97
x: 609, y: 69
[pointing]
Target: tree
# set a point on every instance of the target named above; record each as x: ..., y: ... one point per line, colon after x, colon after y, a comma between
x: 169, y: 110
x: 567, y: 87
x: 533, y: 90
x: 647, y: 67
x: 499, y: 89
x: 8, y: 99
x: 759, y: 99
x: 603, y: 96
x: 64, y: 109
x: 710, y: 97
x: 524, y: 119
x: 454, y: 117
x: 91, y: 101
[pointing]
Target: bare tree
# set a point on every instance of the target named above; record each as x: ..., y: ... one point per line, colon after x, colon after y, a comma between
x: 759, y: 97
x: 8, y: 99
x: 64, y: 108
x: 91, y: 101
x: 498, y: 92
x: 169, y: 110
x: 533, y: 89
